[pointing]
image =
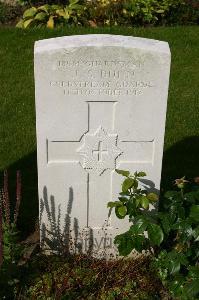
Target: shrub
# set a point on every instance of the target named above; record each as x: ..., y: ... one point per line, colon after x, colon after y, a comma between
x: 105, y: 12
x: 170, y: 234
x: 111, y: 12
x: 9, y: 13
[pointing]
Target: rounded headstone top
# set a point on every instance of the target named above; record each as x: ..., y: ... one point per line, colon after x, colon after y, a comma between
x: 101, y: 40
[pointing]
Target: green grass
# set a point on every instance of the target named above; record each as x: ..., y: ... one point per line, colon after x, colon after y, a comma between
x: 17, y: 112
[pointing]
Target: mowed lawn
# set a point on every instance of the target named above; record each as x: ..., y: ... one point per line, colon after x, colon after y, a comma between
x: 17, y: 110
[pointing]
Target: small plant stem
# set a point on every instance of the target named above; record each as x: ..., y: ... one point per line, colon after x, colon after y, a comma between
x: 6, y: 200
x: 18, y: 197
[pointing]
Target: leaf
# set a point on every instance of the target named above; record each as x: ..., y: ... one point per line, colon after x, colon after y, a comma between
x: 50, y: 23
x: 152, y: 197
x: 141, y: 174
x: 112, y: 204
x: 122, y: 199
x: 20, y: 24
x: 124, y: 243
x: 155, y: 234
x: 144, y: 202
x: 29, y: 13
x: 45, y: 8
x: 194, y: 213
x: 27, y: 23
x: 122, y: 172
x: 73, y: 1
x: 41, y: 16
x: 160, y: 11
x: 122, y: 210
x: 174, y: 266
x: 139, y: 227
x: 127, y: 184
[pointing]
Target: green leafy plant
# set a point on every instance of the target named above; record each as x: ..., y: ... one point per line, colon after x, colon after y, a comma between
x: 170, y: 234
x: 150, y: 11
x: 51, y: 16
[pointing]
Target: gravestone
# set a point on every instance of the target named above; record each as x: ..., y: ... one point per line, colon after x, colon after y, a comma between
x: 100, y: 105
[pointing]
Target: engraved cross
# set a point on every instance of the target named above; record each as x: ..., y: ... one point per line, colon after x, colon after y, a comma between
x: 100, y: 151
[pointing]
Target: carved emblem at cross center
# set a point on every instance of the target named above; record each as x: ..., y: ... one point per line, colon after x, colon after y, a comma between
x: 99, y: 151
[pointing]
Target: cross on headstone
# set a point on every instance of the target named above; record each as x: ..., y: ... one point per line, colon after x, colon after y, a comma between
x: 97, y: 150
x: 100, y: 151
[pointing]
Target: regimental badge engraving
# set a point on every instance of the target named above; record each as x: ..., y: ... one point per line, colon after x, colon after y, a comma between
x: 99, y: 151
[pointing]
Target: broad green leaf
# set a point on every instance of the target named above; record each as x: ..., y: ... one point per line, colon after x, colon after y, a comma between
x: 120, y: 211
x: 138, y: 242
x: 139, y: 227
x: 141, y: 174
x: 112, y: 204
x: 20, y: 24
x: 41, y: 16
x: 27, y: 23
x: 137, y: 201
x: 73, y: 1
x: 174, y: 266
x: 29, y: 13
x: 45, y: 8
x: 124, y: 243
x: 152, y: 197
x: 155, y: 234
x: 194, y: 213
x: 160, y: 11
x: 122, y: 172
x: 144, y: 202
x: 127, y: 184
x: 50, y: 23
x: 122, y: 199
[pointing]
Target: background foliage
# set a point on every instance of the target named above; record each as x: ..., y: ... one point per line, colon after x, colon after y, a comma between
x: 105, y: 12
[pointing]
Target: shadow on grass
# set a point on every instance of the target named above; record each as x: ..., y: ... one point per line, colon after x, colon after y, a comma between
x: 182, y: 159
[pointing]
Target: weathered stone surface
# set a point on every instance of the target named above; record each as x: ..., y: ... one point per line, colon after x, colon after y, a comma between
x: 100, y: 105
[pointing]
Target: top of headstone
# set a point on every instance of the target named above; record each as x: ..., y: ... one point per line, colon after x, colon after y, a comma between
x: 101, y: 40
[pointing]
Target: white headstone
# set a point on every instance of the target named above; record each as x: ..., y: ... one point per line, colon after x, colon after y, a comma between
x: 100, y: 104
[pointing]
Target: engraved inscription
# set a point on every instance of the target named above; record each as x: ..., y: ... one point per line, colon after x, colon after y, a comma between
x: 103, y: 78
